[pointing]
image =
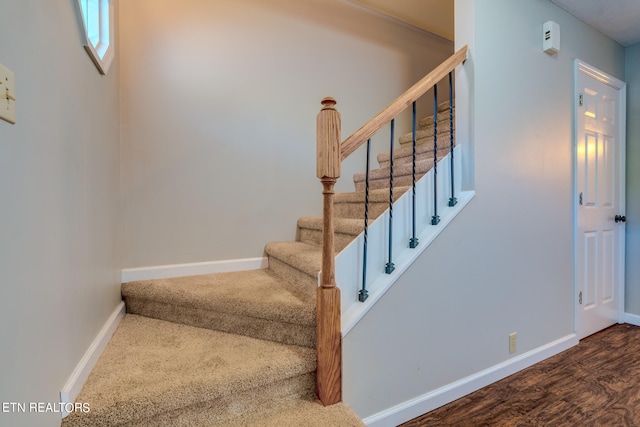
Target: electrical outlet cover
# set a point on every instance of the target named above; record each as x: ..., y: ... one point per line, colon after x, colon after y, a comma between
x: 513, y: 342
x: 7, y: 95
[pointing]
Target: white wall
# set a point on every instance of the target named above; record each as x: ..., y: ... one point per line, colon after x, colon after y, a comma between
x: 632, y: 297
x: 60, y: 208
x: 506, y: 263
x: 219, y: 102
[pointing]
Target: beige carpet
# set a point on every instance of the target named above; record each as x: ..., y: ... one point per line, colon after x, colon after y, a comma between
x: 161, y: 373
x: 255, y: 303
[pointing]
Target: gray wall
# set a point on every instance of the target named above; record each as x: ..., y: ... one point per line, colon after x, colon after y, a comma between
x: 632, y: 297
x: 506, y: 263
x: 60, y: 209
x: 219, y: 102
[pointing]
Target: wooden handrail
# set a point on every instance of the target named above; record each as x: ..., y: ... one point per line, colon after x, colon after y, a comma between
x: 361, y: 136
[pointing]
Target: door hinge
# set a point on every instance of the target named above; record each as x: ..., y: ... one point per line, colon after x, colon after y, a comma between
x: 581, y: 99
x: 580, y: 297
x: 580, y: 199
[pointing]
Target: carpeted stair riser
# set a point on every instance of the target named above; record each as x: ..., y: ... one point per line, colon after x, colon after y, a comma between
x: 168, y: 371
x: 345, y: 230
x: 256, y: 303
x: 443, y: 116
x: 426, y: 138
x: 307, y: 414
x: 351, y: 205
x: 383, y: 183
x: 405, y: 155
x: 301, y: 256
x: 426, y: 124
x: 296, y: 262
x: 444, y: 105
x: 286, y: 333
x: 230, y: 410
x: 402, y: 175
x: 443, y: 108
x: 355, y: 210
x: 424, y: 131
x: 314, y: 237
x: 299, y: 280
x: 443, y: 120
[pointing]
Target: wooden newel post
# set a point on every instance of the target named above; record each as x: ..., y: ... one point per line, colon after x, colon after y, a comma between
x: 328, y: 333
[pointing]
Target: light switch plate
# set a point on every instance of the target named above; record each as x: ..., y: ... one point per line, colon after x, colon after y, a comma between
x: 7, y: 95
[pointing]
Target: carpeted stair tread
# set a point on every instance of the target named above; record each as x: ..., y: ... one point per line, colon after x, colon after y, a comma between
x: 253, y: 293
x: 307, y: 413
x: 151, y: 367
x: 405, y: 154
x: 425, y: 136
x: 349, y: 226
x: 313, y: 414
x: 345, y: 231
x: 443, y: 111
x: 302, y: 256
x: 402, y: 175
x: 444, y: 106
x: 422, y: 167
x: 255, y: 303
x: 424, y: 131
x: 379, y: 195
x: 351, y: 205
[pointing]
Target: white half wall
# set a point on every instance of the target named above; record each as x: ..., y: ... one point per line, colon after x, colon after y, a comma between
x: 505, y: 264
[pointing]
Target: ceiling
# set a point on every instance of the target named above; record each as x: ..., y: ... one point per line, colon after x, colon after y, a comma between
x: 435, y: 16
x: 619, y: 19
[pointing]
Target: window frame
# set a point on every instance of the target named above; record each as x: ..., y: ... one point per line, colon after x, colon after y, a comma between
x: 98, y: 31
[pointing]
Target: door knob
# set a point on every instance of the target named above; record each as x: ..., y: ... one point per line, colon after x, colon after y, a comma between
x: 620, y: 218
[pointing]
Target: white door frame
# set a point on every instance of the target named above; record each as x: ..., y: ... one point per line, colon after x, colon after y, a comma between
x: 590, y: 71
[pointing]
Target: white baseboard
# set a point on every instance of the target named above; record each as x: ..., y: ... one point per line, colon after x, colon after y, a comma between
x: 193, y: 269
x: 439, y: 397
x: 80, y: 374
x: 632, y: 319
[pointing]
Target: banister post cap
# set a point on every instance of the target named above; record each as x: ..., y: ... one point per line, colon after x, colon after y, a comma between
x: 328, y: 103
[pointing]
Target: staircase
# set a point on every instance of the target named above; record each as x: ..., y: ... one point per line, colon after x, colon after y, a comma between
x: 255, y: 348
x: 238, y: 348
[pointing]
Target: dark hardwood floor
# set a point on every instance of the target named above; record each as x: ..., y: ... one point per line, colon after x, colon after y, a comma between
x: 596, y: 383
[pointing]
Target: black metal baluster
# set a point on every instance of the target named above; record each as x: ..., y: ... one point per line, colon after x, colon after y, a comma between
x: 364, y: 294
x: 390, y: 267
x: 413, y: 242
x: 435, y: 219
x: 452, y: 200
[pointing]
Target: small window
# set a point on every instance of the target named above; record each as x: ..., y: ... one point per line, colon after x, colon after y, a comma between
x: 97, y: 17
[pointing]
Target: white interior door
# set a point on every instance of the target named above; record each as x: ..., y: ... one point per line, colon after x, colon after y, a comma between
x: 600, y: 154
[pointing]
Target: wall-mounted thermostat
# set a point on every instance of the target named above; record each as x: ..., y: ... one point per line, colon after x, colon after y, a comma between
x: 550, y: 37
